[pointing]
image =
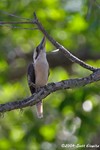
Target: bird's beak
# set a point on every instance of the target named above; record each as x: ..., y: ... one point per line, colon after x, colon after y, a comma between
x: 42, y: 44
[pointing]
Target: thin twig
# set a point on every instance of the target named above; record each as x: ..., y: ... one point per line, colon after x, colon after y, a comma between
x: 90, y: 6
x: 16, y: 22
x: 15, y: 27
x: 12, y: 15
x: 97, y: 4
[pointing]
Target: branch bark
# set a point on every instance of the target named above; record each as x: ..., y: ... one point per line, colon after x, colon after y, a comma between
x: 48, y: 89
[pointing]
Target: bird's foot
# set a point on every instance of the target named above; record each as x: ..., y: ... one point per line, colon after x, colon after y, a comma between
x: 32, y: 84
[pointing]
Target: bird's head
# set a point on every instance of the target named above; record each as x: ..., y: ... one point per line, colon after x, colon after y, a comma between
x: 40, y: 49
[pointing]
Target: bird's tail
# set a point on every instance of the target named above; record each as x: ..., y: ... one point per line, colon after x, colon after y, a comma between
x: 39, y: 107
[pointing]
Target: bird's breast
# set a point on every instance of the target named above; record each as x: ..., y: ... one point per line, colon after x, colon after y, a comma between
x: 41, y: 72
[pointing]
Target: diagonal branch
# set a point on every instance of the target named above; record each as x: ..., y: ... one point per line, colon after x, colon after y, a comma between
x: 48, y: 89
x: 61, y: 48
x: 69, y: 55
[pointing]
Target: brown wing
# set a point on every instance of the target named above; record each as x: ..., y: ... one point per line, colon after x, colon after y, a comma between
x: 31, y: 77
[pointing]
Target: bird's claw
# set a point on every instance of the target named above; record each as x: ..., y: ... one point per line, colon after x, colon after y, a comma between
x: 32, y: 84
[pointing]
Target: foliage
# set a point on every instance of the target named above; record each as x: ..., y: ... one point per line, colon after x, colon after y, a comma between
x: 70, y: 116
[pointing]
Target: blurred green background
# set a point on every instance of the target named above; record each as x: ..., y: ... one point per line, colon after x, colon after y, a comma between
x: 70, y: 116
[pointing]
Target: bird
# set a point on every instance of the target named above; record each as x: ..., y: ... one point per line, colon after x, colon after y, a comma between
x: 38, y: 72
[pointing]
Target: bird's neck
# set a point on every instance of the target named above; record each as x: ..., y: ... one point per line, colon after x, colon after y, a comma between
x: 41, y: 57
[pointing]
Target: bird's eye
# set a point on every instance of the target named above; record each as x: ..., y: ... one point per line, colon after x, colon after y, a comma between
x: 37, y: 50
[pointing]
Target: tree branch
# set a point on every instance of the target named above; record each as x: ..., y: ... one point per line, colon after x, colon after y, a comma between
x: 55, y: 43
x: 48, y: 89
x: 61, y: 48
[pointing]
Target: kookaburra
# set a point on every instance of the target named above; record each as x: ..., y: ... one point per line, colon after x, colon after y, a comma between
x: 38, y: 72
